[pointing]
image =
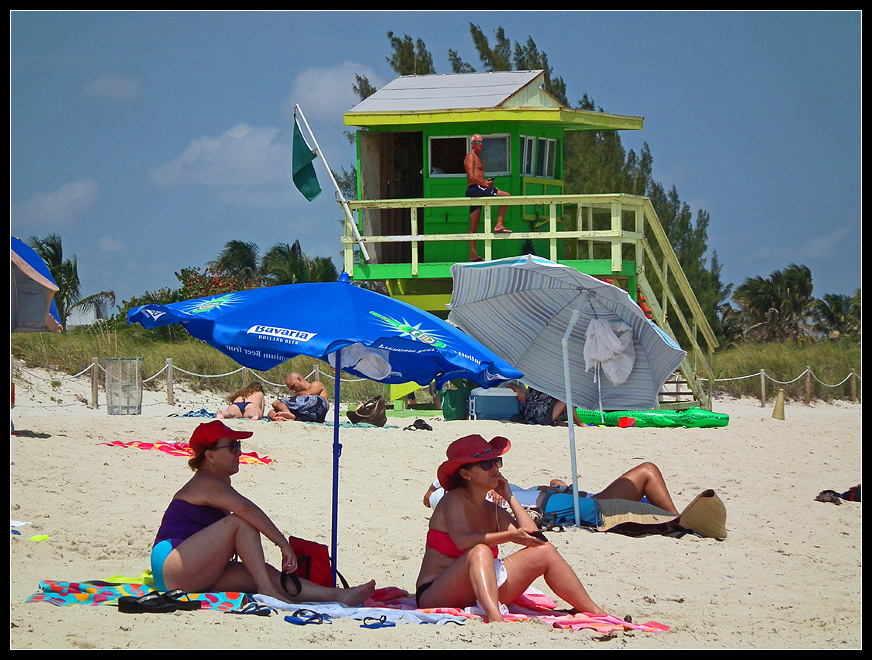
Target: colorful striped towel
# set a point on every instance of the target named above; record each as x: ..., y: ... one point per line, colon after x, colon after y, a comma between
x: 97, y: 592
x: 183, y: 449
x: 398, y: 606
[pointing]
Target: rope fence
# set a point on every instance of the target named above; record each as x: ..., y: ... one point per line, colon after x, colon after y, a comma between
x: 169, y: 368
x: 95, y: 368
x: 808, y: 374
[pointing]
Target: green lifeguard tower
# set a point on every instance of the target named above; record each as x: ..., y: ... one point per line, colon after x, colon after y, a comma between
x: 413, y: 217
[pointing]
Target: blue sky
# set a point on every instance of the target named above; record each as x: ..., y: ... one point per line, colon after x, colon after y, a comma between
x: 147, y: 140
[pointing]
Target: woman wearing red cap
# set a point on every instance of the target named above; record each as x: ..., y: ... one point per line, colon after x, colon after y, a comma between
x: 460, y: 565
x: 208, y: 522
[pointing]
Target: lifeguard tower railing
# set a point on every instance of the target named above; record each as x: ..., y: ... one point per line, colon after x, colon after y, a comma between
x: 593, y: 233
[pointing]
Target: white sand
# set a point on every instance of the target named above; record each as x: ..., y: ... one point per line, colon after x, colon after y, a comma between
x: 787, y: 576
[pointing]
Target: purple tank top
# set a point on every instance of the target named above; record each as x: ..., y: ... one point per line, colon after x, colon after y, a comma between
x: 183, y: 519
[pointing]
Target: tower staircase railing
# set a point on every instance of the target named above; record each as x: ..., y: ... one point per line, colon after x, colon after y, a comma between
x: 577, y: 228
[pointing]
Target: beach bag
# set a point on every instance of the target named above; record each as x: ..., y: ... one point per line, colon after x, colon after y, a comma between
x: 313, y: 562
x: 559, y: 509
x: 369, y: 412
x: 455, y: 402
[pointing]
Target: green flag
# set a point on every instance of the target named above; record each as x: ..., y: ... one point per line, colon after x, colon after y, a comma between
x: 304, y: 171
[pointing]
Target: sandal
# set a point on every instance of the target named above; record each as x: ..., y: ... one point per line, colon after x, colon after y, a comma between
x: 254, y: 608
x: 380, y: 622
x: 305, y: 617
x: 151, y: 602
x: 182, y: 601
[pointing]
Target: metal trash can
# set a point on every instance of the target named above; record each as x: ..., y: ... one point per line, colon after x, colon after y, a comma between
x: 123, y: 385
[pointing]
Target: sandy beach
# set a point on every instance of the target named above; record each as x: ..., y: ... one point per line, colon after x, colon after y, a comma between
x: 788, y: 575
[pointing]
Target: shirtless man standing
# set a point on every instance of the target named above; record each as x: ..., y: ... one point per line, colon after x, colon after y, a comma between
x: 478, y: 186
x: 308, y: 401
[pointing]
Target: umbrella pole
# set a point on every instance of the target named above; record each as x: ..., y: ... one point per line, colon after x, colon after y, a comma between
x: 570, y: 415
x: 337, y: 450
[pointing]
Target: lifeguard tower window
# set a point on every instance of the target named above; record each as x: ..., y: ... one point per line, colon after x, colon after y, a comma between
x: 538, y: 157
x: 447, y: 154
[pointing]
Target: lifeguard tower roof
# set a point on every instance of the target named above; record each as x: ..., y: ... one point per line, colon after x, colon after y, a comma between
x: 487, y: 96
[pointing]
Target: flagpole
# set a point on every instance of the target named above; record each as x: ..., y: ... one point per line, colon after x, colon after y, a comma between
x: 342, y: 200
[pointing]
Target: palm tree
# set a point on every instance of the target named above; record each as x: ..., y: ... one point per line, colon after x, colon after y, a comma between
x: 777, y: 307
x: 288, y: 264
x: 838, y: 315
x: 240, y: 259
x: 65, y: 273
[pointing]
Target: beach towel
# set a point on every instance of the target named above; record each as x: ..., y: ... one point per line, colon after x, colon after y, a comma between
x: 202, y: 412
x: 397, y: 606
x: 98, y: 592
x: 182, y: 449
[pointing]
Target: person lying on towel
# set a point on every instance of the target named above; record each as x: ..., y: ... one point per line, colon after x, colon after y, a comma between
x: 643, y: 482
x: 461, y: 566
x: 307, y: 403
x: 208, y: 522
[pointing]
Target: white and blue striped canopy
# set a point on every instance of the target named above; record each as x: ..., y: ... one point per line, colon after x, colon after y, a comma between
x: 520, y: 308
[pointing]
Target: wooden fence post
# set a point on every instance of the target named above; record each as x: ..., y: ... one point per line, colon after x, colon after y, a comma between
x: 95, y: 380
x: 808, y: 386
x: 853, y: 386
x: 762, y: 388
x: 171, y: 400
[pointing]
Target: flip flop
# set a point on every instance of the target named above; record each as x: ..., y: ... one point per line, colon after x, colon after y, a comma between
x: 151, y: 602
x: 380, y: 622
x: 476, y: 260
x: 502, y: 231
x: 305, y: 617
x: 182, y: 601
x: 254, y: 608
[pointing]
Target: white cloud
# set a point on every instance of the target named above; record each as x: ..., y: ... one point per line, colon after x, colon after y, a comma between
x: 59, y: 207
x: 107, y: 244
x: 244, y: 156
x: 114, y: 87
x: 327, y: 91
x: 825, y: 246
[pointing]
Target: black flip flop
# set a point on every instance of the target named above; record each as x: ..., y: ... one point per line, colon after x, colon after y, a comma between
x: 182, y: 601
x: 151, y: 602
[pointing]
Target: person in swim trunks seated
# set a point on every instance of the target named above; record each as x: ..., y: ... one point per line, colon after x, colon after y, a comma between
x: 460, y: 565
x: 247, y: 403
x: 208, y: 522
x: 308, y: 402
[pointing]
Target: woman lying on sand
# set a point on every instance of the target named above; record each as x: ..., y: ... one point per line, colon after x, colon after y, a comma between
x: 643, y: 481
x: 460, y: 564
x: 208, y: 522
x: 247, y: 403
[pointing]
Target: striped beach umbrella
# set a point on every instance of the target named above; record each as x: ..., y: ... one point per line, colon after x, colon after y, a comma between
x: 576, y: 338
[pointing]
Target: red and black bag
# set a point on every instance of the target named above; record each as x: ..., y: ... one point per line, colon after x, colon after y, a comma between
x: 313, y: 562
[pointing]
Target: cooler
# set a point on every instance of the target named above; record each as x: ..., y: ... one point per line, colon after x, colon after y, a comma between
x: 495, y: 403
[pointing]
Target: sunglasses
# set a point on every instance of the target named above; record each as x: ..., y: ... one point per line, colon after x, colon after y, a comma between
x: 476, y: 141
x: 234, y: 446
x: 486, y: 465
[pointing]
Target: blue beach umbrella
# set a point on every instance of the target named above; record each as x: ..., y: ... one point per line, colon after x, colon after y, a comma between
x: 370, y: 335
x: 32, y: 290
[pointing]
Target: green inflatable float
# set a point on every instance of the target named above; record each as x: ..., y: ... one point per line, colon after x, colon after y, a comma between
x: 692, y: 417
